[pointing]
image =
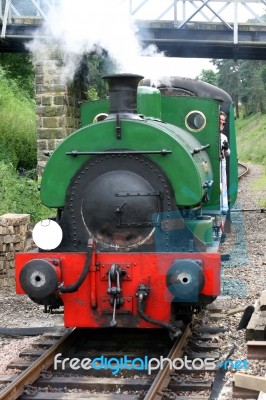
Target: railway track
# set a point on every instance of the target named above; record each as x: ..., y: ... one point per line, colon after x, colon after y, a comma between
x: 33, y: 371
x: 128, y: 365
x: 242, y: 170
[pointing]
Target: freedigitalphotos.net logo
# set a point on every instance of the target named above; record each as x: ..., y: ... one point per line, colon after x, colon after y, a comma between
x: 237, y: 365
x: 138, y: 364
x: 142, y: 364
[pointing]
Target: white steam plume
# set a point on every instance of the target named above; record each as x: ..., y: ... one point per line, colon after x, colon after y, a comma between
x: 82, y: 26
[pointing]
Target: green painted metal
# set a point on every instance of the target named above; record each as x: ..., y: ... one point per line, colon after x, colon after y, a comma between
x: 233, y: 160
x: 89, y: 110
x: 186, y: 173
x: 175, y: 110
x: 149, y: 102
x: 202, y: 229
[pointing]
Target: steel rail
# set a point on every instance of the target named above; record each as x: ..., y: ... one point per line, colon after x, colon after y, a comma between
x: 31, y: 374
x: 246, y: 170
x: 163, y: 378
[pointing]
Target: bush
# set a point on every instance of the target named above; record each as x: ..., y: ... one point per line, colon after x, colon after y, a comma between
x: 18, y: 143
x: 19, y: 194
x: 19, y: 68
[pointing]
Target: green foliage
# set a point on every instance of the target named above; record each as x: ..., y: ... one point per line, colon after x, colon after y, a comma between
x: 209, y: 76
x: 245, y: 81
x: 251, y: 139
x: 98, y: 66
x: 228, y: 78
x: 93, y: 93
x: 19, y: 194
x: 252, y: 93
x: 97, y: 87
x: 251, y: 144
x: 19, y: 68
x: 18, y: 125
x: 260, y: 183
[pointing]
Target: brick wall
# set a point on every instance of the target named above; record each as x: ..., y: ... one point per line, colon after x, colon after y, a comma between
x: 15, y: 236
x: 57, y: 105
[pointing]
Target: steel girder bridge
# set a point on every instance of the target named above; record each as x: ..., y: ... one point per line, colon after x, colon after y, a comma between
x: 233, y: 29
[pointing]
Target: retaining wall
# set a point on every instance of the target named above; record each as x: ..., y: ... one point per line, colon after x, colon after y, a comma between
x: 15, y: 236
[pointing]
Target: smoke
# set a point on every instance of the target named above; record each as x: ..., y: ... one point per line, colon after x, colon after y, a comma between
x: 84, y: 26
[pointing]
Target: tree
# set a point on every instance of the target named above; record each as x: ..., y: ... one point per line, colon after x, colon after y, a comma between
x: 245, y: 81
x: 209, y: 76
x: 252, y: 76
x: 98, y: 66
x: 228, y: 79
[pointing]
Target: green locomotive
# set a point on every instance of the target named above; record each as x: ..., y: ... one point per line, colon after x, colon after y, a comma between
x: 141, y: 181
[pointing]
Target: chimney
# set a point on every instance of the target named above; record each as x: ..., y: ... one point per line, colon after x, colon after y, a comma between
x: 123, y: 93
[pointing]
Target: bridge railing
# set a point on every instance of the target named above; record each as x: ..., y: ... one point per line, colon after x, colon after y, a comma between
x: 16, y: 11
x: 183, y: 11
x: 180, y: 12
x: 25, y: 8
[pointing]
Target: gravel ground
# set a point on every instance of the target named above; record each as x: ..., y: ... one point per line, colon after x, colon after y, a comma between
x: 244, y: 278
x: 244, y: 275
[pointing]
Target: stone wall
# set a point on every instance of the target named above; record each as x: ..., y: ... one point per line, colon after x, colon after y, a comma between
x: 57, y: 105
x: 15, y: 236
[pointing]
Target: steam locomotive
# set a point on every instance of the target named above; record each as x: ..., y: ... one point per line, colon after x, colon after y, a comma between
x: 135, y: 242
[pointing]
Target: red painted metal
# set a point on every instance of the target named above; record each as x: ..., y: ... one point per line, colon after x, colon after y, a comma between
x: 90, y: 307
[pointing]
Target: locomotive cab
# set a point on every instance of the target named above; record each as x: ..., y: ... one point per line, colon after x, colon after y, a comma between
x: 185, y: 103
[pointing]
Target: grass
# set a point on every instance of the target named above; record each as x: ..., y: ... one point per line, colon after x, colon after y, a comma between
x: 18, y: 152
x: 251, y: 139
x: 20, y: 195
x: 251, y: 145
x: 18, y: 125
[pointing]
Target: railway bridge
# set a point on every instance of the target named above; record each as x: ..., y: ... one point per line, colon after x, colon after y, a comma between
x: 228, y: 29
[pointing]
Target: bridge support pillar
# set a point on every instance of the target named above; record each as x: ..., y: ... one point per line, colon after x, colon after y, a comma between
x: 57, y: 105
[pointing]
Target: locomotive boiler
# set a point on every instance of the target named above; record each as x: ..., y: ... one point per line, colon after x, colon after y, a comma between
x: 137, y: 193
